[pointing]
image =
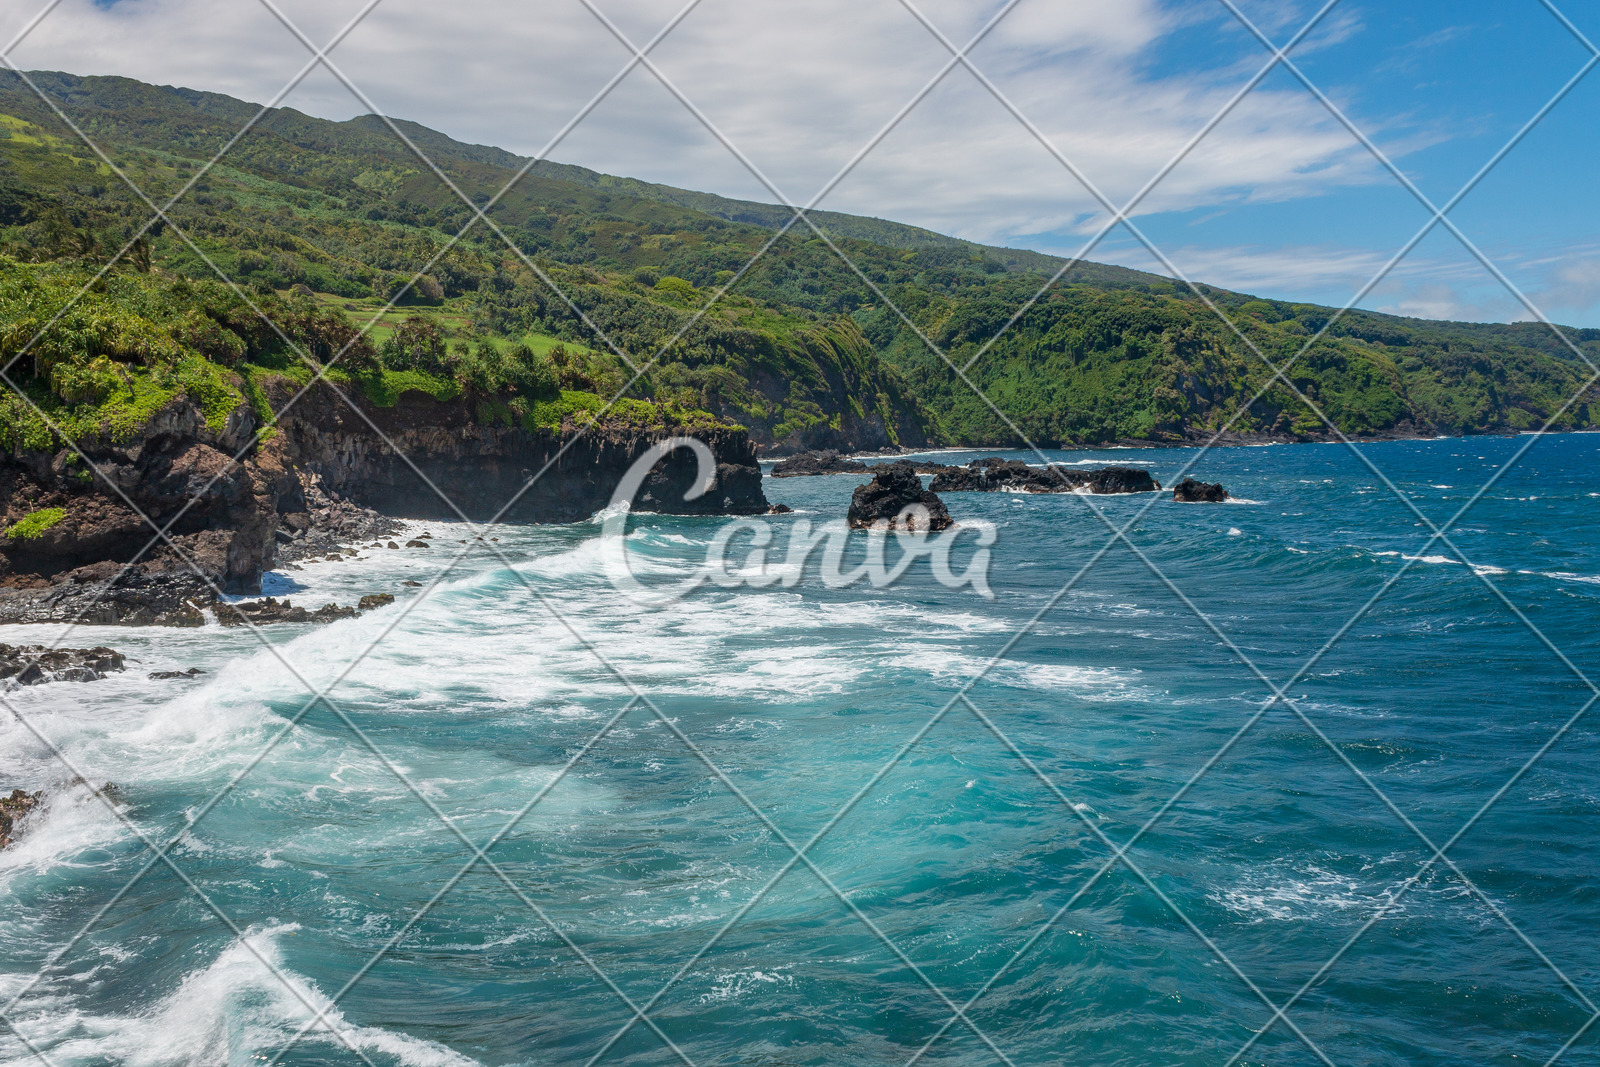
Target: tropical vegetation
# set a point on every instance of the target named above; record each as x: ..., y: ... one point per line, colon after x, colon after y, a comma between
x: 316, y: 245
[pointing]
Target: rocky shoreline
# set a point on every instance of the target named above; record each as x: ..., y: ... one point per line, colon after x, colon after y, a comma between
x: 22, y: 665
x: 321, y: 480
x: 997, y: 475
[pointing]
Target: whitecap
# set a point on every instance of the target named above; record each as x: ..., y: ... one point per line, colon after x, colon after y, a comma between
x: 1567, y: 576
x: 223, y: 1013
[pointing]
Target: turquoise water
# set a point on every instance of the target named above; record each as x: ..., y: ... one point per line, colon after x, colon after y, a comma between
x: 956, y: 858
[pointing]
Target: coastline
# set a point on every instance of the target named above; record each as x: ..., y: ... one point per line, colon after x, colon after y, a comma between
x: 1229, y: 440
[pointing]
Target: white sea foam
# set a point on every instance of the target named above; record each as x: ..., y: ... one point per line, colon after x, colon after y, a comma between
x: 222, y: 1013
x: 1309, y: 892
x: 1096, y: 684
x: 1567, y: 576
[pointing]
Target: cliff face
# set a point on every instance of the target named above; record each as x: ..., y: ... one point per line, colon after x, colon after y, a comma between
x: 76, y: 531
x: 482, y: 468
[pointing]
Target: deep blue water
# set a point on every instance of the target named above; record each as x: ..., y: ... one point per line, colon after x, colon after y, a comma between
x: 958, y: 857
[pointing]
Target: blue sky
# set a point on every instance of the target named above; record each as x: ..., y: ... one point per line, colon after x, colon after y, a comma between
x: 1279, y: 200
x: 1440, y: 88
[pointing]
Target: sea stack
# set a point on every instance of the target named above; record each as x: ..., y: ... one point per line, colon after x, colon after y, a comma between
x: 895, y: 496
x: 1190, y: 491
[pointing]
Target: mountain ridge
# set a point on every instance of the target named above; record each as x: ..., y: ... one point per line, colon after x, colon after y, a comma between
x: 801, y: 351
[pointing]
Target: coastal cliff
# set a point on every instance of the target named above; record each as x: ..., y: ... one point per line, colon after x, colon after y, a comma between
x: 69, y: 530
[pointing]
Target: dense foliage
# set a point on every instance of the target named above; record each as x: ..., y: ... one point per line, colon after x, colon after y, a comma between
x: 323, y: 223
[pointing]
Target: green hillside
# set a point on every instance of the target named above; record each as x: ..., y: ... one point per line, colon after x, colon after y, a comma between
x: 325, y: 221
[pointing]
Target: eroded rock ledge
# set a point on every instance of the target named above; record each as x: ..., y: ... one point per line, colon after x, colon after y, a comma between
x: 827, y: 461
x: 35, y: 665
x: 326, y: 476
x: 995, y: 475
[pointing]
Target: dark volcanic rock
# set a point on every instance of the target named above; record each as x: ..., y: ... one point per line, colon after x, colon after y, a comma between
x: 1192, y: 492
x: 994, y: 475
x: 270, y: 610
x: 192, y: 672
x: 375, y: 600
x: 1115, y: 479
x: 895, y: 487
x: 13, y: 808
x: 824, y: 462
x: 332, y: 475
x: 35, y: 664
x: 104, y: 594
x: 328, y: 523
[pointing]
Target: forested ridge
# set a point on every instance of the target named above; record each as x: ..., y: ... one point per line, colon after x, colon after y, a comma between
x: 323, y: 222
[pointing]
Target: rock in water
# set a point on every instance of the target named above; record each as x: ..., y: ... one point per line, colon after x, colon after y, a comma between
x: 13, y: 808
x: 270, y: 610
x: 824, y: 462
x: 34, y: 664
x: 1192, y: 492
x: 375, y: 600
x: 895, y: 487
x: 996, y: 475
x: 1120, y: 480
x: 192, y: 672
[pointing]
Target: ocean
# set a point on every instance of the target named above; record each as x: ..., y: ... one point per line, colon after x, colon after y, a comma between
x: 962, y: 775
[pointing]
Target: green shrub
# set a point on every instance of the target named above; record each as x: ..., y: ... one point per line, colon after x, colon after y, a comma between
x: 32, y: 527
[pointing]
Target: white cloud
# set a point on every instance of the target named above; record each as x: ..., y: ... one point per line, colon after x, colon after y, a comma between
x: 798, y: 86
x: 801, y: 85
